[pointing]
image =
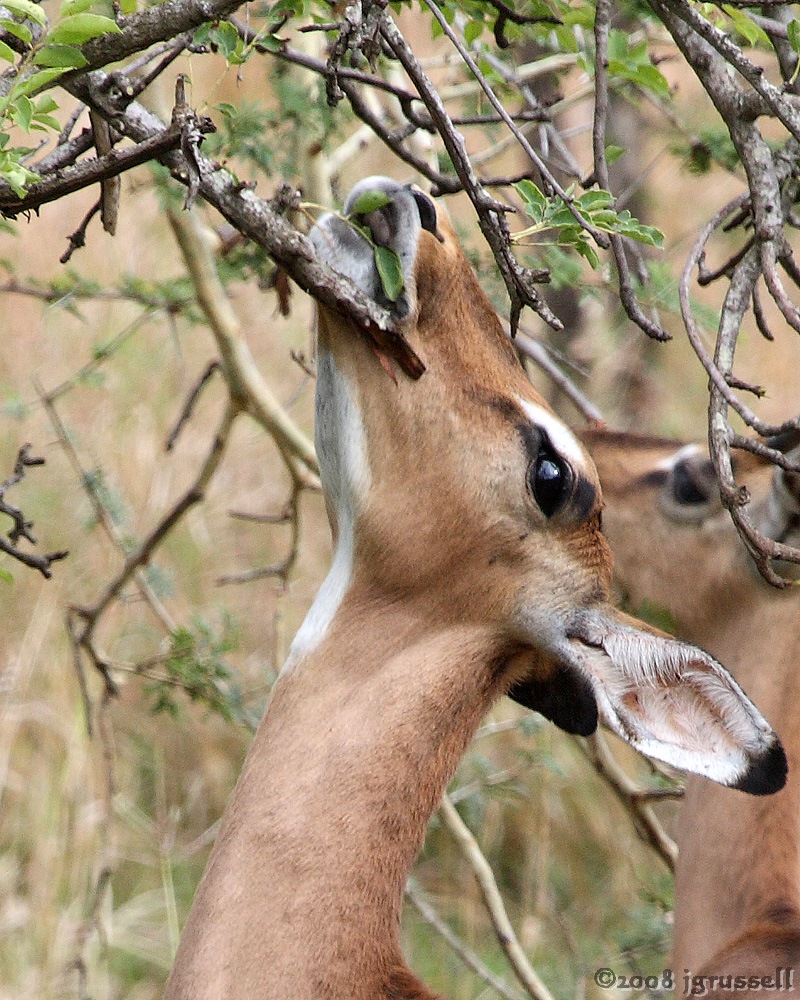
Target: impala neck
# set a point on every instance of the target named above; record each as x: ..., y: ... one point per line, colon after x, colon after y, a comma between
x: 360, y: 738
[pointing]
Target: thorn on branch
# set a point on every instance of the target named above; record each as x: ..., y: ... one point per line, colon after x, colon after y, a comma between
x: 78, y: 238
x: 738, y: 383
x: 193, y: 128
x: 110, y: 187
x: 22, y: 527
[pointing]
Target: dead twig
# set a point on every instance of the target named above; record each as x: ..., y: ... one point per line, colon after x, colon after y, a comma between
x: 493, y: 900
x: 635, y: 799
x: 21, y: 527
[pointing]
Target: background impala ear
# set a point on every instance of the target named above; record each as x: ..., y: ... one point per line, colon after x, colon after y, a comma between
x: 675, y: 703
x: 566, y: 699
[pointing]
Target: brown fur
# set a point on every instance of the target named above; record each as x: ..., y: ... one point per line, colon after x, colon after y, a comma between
x: 738, y: 864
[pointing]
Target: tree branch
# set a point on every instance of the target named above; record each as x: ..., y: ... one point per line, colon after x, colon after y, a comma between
x: 21, y: 526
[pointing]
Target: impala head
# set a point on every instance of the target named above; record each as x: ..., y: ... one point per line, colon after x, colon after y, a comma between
x: 664, y: 518
x: 464, y: 497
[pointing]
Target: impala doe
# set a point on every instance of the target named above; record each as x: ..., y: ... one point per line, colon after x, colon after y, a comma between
x: 468, y: 563
x: 737, y: 894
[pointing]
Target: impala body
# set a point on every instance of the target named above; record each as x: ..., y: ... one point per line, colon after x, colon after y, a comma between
x: 737, y: 897
x: 468, y: 562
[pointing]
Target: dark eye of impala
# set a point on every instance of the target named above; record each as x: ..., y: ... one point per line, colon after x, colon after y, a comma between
x: 550, y: 481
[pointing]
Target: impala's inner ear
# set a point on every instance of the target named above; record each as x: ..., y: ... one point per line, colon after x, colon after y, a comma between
x: 565, y: 698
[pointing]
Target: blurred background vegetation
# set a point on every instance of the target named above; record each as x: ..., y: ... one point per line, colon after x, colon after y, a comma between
x: 109, y: 802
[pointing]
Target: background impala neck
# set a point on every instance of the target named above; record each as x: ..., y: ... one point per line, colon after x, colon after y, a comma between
x: 360, y: 738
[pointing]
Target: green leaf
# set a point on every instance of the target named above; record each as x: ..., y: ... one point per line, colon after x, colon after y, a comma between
x: 226, y: 38
x: 80, y: 28
x: 16, y: 176
x: 66, y: 56
x: 70, y: 7
x: 747, y: 28
x: 27, y: 10
x: 793, y: 30
x: 390, y: 272
x: 44, y: 122
x: 20, y: 31
x: 575, y: 238
x: 636, y: 230
x: 7, y: 53
x: 271, y: 43
x: 5, y: 576
x: 472, y: 31
x: 37, y: 81
x: 595, y: 201
x: 46, y: 104
x: 613, y: 153
x: 369, y: 201
x: 633, y: 64
x: 535, y: 201
x: 22, y: 113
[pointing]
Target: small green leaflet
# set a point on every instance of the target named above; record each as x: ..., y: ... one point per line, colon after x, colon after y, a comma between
x: 66, y: 56
x: 27, y: 10
x: 20, y: 31
x: 369, y: 201
x: 793, y: 31
x: 70, y: 7
x: 390, y: 272
x: 746, y: 27
x: 5, y: 576
x: 633, y: 63
x: 79, y: 28
x: 37, y: 81
x: 7, y: 53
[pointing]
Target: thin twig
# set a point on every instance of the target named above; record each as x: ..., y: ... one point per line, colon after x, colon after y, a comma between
x: 493, y: 900
x: 601, y: 110
x: 21, y: 526
x: 634, y: 798
x: 470, y: 959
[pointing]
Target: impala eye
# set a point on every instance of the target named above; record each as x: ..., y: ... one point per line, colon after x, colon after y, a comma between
x: 550, y: 481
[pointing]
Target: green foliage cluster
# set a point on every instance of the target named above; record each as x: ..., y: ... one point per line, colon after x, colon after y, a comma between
x: 196, y: 666
x: 51, y: 52
x: 552, y: 215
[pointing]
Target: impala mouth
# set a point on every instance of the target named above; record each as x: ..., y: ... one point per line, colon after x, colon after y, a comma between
x: 374, y: 243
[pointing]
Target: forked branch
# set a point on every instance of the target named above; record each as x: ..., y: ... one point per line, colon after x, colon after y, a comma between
x: 21, y: 527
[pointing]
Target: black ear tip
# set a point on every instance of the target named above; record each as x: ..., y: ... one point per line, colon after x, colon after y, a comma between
x: 767, y: 773
x: 427, y: 211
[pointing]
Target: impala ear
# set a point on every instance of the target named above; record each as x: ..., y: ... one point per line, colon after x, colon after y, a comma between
x: 675, y: 703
